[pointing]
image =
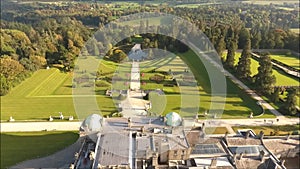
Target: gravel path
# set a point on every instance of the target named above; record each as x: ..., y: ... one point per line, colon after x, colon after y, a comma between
x: 39, y: 126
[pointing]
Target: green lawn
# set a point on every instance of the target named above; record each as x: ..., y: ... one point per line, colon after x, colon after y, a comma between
x: 238, y: 103
x: 287, y: 59
x: 45, y: 94
x: 48, y: 92
x: 282, y: 79
x: 18, y: 147
x: 281, y: 130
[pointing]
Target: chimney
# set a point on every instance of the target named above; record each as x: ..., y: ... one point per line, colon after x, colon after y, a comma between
x: 234, y: 157
x: 129, y: 122
x: 226, y: 136
x: 154, y: 159
x: 241, y: 155
x: 247, y: 134
x: 288, y: 136
x: 261, y: 155
x: 213, y: 163
x: 282, y: 162
x: 261, y: 135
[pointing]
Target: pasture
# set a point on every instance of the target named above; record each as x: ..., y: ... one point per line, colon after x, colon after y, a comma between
x: 18, y: 147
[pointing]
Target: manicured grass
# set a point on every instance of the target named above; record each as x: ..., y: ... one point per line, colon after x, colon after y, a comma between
x: 280, y: 130
x: 215, y: 130
x: 238, y: 104
x: 28, y: 102
x: 287, y: 59
x: 18, y: 147
x: 282, y: 79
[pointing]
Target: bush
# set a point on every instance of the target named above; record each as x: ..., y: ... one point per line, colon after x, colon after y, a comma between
x: 157, y: 78
x: 101, y: 83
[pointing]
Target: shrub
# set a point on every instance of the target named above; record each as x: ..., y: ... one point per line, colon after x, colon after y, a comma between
x: 157, y: 78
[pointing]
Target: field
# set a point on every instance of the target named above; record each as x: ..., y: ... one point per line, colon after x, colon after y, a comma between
x: 18, y: 147
x: 287, y: 59
x: 281, y: 78
x: 277, y: 130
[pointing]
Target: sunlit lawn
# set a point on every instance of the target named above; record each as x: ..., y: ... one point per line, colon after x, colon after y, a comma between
x: 282, y: 79
x: 238, y: 104
x: 49, y: 92
x: 287, y: 59
x: 18, y: 147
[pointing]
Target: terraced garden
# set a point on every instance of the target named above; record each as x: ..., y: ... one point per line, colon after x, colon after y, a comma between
x: 48, y: 92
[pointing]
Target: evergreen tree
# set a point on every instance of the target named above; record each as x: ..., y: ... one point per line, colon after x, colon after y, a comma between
x: 289, y: 106
x: 221, y: 45
x: 275, y: 95
x: 264, y: 80
x: 243, y: 37
x: 231, y: 53
x: 243, y: 68
x: 150, y: 54
x: 256, y: 38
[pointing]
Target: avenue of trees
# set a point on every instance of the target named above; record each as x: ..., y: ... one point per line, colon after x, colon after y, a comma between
x: 36, y: 35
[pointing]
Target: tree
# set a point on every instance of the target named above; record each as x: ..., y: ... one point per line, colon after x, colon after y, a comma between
x: 264, y: 80
x: 289, y: 106
x: 4, y: 85
x: 220, y: 47
x: 150, y: 54
x: 118, y: 56
x: 231, y: 53
x: 275, y: 95
x: 255, y: 40
x: 10, y: 68
x: 243, y: 37
x: 243, y: 68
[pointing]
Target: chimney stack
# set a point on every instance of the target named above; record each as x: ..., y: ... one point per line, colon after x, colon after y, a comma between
x: 261, y: 155
x: 213, y: 163
x: 247, y: 134
x: 261, y: 135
